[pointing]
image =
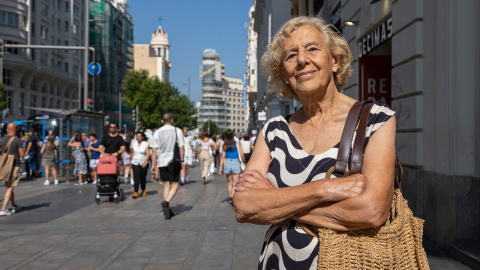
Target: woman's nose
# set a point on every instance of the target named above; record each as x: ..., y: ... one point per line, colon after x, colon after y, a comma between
x: 302, y: 57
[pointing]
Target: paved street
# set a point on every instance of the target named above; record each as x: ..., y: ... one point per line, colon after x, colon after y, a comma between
x: 61, y: 227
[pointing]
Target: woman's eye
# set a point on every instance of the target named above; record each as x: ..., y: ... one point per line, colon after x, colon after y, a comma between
x: 290, y: 56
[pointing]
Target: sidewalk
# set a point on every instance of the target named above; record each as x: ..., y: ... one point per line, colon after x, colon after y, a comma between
x: 61, y: 227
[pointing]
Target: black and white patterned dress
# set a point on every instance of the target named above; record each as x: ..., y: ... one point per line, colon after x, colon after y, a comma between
x: 286, y: 245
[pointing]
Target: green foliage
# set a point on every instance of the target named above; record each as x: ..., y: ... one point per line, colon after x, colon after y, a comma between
x: 214, y: 129
x: 3, y: 97
x: 154, y: 98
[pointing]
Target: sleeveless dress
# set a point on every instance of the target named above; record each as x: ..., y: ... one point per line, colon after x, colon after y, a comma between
x: 80, y: 160
x: 286, y: 245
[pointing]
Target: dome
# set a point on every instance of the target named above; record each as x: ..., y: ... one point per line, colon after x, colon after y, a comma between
x: 159, y: 37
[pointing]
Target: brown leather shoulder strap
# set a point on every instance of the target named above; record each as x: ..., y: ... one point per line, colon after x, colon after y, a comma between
x: 357, y: 151
x: 345, y: 143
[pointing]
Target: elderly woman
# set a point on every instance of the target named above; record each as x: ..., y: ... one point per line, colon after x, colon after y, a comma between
x: 284, y: 183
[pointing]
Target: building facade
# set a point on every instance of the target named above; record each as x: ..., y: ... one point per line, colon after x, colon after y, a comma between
x: 222, y: 96
x: 111, y: 34
x: 154, y: 57
x: 419, y: 57
x: 39, y: 78
x: 251, y: 71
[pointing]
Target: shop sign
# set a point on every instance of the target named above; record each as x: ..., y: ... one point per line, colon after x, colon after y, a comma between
x: 376, y: 38
x: 375, y: 76
x: 262, y: 116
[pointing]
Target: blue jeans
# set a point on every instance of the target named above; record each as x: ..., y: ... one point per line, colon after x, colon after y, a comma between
x: 31, y: 164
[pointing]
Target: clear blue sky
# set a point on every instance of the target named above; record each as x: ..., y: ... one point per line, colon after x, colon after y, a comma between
x: 193, y: 26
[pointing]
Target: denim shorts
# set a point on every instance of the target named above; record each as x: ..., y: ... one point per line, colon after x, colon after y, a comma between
x: 232, y: 166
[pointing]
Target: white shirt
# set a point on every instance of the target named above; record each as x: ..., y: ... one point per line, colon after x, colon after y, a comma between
x: 252, y: 140
x: 139, y: 152
x: 188, y: 146
x: 206, y: 145
x: 164, y: 140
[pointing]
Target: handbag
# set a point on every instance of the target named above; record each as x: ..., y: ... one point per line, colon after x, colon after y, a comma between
x: 7, y: 162
x: 395, y: 245
x: 242, y: 164
x: 176, y: 149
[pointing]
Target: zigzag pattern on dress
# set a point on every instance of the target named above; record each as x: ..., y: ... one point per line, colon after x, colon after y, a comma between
x: 286, y: 245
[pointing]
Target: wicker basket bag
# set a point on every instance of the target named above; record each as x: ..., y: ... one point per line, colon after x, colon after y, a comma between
x: 395, y: 245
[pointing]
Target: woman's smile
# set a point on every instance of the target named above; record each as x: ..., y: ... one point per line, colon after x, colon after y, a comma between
x: 305, y: 74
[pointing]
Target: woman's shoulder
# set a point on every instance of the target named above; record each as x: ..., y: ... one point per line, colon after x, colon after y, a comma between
x: 379, y: 115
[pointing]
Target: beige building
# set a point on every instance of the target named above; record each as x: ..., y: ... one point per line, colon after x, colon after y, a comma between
x: 154, y: 57
x: 222, y: 97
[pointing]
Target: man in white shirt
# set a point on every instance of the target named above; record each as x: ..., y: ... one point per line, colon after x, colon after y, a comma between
x: 169, y: 163
x: 188, y: 157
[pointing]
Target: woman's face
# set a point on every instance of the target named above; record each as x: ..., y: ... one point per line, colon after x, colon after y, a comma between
x: 139, y: 138
x: 307, y: 64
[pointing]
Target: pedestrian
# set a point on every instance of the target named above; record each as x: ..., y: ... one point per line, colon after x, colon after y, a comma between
x: 94, y: 151
x: 48, y: 160
x: 285, y: 183
x: 140, y: 155
x: 126, y: 158
x: 230, y: 163
x: 16, y: 149
x: 197, y: 143
x: 163, y: 146
x: 112, y: 143
x: 188, y: 159
x: 246, y: 147
x: 153, y: 176
x: 220, y: 143
x: 205, y: 146
x: 86, y: 144
x: 253, y: 139
x: 80, y: 158
x: 32, y: 155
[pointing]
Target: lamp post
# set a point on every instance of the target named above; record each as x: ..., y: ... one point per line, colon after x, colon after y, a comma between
x: 85, y: 54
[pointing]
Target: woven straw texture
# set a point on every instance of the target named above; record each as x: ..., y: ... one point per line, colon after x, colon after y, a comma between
x: 394, y: 246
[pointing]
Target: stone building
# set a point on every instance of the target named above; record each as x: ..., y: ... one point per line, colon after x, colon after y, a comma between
x: 154, y: 57
x: 222, y: 96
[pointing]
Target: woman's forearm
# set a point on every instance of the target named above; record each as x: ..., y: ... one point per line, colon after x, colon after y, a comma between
x: 364, y: 211
x: 270, y: 206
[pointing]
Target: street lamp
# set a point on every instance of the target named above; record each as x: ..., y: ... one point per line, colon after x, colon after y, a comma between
x: 350, y: 23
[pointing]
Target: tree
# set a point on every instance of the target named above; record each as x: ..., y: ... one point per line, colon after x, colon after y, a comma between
x: 154, y: 98
x: 214, y: 129
x: 3, y: 97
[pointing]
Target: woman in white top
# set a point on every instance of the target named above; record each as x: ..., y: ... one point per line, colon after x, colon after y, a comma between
x: 246, y: 147
x: 204, y: 155
x: 139, y: 157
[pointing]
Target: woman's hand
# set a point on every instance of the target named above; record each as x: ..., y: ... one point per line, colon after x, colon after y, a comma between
x: 252, y: 179
x: 342, y: 188
x: 144, y: 164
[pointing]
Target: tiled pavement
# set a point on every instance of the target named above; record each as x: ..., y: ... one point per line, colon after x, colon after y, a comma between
x: 61, y: 227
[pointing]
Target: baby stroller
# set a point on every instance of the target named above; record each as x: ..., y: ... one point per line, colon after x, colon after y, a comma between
x: 108, y: 183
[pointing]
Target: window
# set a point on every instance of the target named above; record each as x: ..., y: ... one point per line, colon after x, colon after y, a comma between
x: 7, y: 76
x: 9, y: 101
x: 51, y: 103
x: 66, y: 105
x: 59, y: 24
x: 67, y: 6
x: 66, y: 67
x: 58, y: 103
x: 42, y: 104
x: 33, y: 84
x: 75, y: 10
x: 66, y: 26
x: 43, y: 57
x: 75, y: 29
x: 44, y: 9
x: 43, y: 32
x: 32, y: 29
x: 21, y: 104
x: 11, y: 19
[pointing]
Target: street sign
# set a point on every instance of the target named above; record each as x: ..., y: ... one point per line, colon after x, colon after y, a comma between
x: 94, y: 68
x: 262, y: 116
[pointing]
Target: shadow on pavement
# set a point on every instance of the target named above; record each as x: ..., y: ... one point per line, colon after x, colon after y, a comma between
x: 32, y: 207
x: 180, y: 208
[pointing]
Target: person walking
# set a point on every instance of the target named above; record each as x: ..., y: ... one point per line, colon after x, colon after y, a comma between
x: 230, y: 163
x: 163, y: 145
x: 188, y: 157
x: 246, y: 147
x: 32, y: 155
x: 205, y: 146
x: 16, y: 149
x: 140, y: 154
x: 112, y: 143
x: 126, y: 158
x: 48, y: 160
x: 94, y: 151
x: 80, y: 158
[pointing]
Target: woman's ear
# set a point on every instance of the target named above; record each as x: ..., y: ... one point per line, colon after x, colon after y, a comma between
x: 336, y: 62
